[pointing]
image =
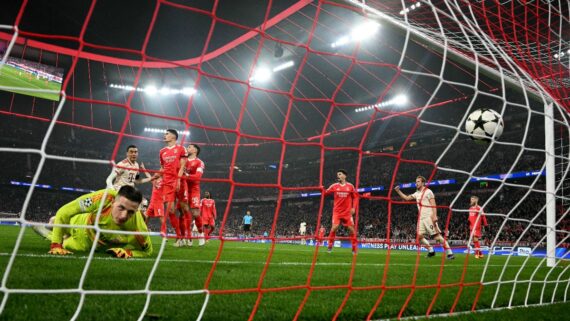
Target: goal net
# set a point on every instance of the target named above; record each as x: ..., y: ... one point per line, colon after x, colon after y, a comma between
x: 280, y: 96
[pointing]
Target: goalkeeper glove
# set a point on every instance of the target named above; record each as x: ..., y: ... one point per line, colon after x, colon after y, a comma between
x: 56, y: 249
x: 120, y: 252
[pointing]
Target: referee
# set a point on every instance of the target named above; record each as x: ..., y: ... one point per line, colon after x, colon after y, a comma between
x: 247, y: 219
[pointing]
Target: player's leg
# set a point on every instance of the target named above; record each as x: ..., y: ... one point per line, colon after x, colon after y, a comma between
x: 78, y: 241
x: 174, y: 222
x: 211, y: 227
x: 439, y: 239
x: 185, y: 221
x: 477, y: 246
x: 44, y: 231
x: 159, y: 209
x: 185, y: 216
x: 423, y: 230
x: 332, y: 234
x: 199, y: 226
x: 169, y: 196
x: 353, y: 241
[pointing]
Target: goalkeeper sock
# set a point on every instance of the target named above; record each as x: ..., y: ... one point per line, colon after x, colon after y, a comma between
x: 426, y: 243
x: 331, y: 239
x: 175, y: 223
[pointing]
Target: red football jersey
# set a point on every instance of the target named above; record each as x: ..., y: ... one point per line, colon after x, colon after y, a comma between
x: 344, y: 197
x: 473, y: 213
x: 170, y: 157
x: 194, y: 170
x: 208, y: 208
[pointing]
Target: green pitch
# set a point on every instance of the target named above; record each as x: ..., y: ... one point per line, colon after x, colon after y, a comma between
x: 10, y: 76
x: 240, y: 267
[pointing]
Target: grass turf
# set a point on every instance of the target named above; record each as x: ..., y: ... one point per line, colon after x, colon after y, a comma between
x: 241, y: 266
x: 10, y: 77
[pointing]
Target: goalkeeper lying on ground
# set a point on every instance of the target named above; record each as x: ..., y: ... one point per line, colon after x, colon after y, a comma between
x: 119, y: 212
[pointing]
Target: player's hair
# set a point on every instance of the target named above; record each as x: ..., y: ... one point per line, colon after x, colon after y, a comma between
x: 131, y: 146
x: 173, y: 132
x: 197, y: 148
x: 422, y: 178
x: 475, y: 197
x: 131, y: 193
x: 340, y: 170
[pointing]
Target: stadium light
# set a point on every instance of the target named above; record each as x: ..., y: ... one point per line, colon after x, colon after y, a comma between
x: 162, y: 130
x: 399, y: 100
x: 263, y: 74
x: 152, y: 90
x: 285, y: 65
x: 410, y: 8
x: 358, y: 33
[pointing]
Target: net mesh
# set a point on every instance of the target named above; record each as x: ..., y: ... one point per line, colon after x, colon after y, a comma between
x: 280, y: 97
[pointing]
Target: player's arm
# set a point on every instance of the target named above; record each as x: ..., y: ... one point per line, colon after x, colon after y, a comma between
x: 181, y: 172
x: 84, y: 204
x: 484, y: 218
x: 402, y: 195
x: 196, y: 177
x: 147, y: 178
x: 139, y: 245
x: 214, y: 210
x: 329, y: 190
x: 161, y: 170
x: 111, y: 179
x: 354, y: 195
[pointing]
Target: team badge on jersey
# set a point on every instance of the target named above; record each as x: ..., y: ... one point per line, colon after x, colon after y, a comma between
x: 84, y: 204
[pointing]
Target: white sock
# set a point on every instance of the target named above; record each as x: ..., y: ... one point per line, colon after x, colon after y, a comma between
x: 426, y: 243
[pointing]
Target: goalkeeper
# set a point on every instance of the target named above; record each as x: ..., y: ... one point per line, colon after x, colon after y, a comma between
x: 119, y: 211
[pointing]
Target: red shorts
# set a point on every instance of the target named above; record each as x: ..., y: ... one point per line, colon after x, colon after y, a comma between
x: 155, y: 209
x: 170, y: 195
x: 208, y: 221
x: 194, y: 196
x: 476, y: 232
x: 346, y: 220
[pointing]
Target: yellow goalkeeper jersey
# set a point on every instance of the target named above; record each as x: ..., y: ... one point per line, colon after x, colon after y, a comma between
x: 83, y: 212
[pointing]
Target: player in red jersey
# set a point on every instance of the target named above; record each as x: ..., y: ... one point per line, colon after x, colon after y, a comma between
x: 193, y: 172
x: 156, y: 205
x: 208, y: 213
x: 345, y: 203
x: 321, y: 236
x: 476, y: 216
x: 173, y: 159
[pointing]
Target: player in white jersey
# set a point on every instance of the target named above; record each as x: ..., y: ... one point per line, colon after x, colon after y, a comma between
x: 427, y: 223
x: 126, y: 171
x: 303, y: 231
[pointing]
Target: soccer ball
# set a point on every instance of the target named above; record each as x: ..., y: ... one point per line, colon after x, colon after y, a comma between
x: 481, y: 124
